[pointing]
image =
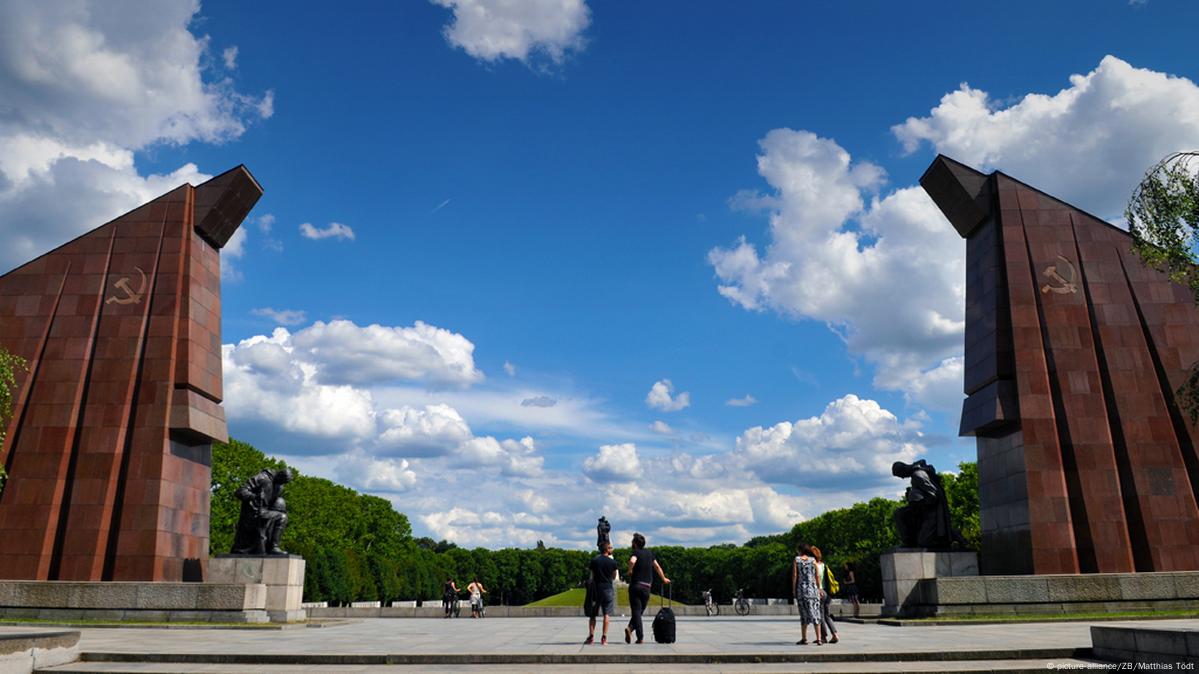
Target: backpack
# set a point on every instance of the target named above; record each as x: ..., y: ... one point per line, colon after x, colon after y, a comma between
x: 833, y: 586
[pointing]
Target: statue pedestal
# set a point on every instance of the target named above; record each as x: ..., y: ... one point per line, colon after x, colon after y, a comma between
x: 283, y: 576
x: 904, y: 568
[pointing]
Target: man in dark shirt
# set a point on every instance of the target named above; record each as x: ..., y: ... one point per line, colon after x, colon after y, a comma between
x: 603, y: 573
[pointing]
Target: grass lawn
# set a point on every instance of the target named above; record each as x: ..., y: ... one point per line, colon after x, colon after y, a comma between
x: 575, y: 598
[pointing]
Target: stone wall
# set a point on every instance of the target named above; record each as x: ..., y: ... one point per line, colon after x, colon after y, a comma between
x: 126, y: 601
x: 1049, y: 593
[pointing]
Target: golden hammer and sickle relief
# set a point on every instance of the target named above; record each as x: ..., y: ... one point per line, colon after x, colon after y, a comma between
x: 131, y: 296
x: 1061, y: 274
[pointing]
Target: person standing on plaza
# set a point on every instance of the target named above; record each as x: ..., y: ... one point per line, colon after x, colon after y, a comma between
x: 448, y: 593
x: 642, y: 566
x: 603, y: 575
x: 851, y: 587
x: 806, y: 592
x: 476, y: 591
x: 826, y: 597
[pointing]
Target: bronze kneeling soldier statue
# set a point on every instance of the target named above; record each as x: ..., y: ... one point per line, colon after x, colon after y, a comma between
x: 263, y: 514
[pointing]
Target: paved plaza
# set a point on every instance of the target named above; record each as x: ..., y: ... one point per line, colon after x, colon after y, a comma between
x: 557, y: 643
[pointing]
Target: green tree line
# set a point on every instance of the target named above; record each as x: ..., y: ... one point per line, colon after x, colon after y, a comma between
x: 358, y: 548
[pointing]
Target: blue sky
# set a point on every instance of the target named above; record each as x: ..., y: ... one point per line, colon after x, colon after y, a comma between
x: 580, y: 202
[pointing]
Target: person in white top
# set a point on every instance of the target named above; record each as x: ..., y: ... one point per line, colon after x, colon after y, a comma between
x: 476, y: 591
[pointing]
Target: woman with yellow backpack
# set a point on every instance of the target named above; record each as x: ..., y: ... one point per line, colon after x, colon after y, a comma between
x: 828, y: 587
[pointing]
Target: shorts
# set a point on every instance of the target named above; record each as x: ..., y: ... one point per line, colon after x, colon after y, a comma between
x: 476, y: 600
x: 851, y: 589
x: 605, y: 601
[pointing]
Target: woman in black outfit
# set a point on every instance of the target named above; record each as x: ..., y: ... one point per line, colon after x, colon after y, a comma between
x: 642, y: 566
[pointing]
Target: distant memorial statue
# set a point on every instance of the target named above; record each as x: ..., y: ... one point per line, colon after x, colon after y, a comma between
x: 924, y: 521
x: 601, y: 533
x: 263, y: 514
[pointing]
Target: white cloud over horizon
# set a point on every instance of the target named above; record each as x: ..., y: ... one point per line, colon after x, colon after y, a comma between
x: 416, y: 446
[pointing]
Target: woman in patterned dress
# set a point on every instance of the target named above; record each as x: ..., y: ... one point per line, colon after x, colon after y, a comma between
x: 807, y: 592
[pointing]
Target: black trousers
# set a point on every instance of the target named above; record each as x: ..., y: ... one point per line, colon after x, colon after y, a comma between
x: 638, y: 599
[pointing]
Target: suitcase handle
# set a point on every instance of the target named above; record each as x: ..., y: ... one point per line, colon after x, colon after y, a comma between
x: 669, y: 595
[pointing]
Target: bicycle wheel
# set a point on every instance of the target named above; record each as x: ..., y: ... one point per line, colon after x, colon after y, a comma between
x: 742, y: 607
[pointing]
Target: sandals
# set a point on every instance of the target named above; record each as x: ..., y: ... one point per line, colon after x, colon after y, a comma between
x: 834, y: 639
x: 628, y: 636
x: 603, y: 641
x: 590, y: 640
x: 801, y: 642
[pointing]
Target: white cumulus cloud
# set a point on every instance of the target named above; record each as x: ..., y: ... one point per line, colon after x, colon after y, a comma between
x: 892, y: 287
x: 661, y: 396
x: 433, y: 430
x: 348, y: 353
x: 613, y: 463
x: 1089, y: 143
x: 490, y: 30
x: 374, y: 474
x: 852, y: 443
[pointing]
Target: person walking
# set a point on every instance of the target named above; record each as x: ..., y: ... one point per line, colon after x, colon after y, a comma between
x: 603, y: 573
x: 851, y: 587
x: 476, y: 591
x: 448, y: 593
x: 642, y: 566
x: 826, y: 597
x: 806, y: 592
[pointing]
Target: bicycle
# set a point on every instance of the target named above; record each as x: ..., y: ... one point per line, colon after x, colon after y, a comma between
x: 482, y: 607
x: 741, y: 604
x: 710, y: 605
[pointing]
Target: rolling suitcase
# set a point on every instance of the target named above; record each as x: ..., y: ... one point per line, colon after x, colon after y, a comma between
x: 664, y: 626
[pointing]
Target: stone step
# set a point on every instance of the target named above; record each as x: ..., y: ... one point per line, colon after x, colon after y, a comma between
x: 616, y: 655
x: 1014, y: 666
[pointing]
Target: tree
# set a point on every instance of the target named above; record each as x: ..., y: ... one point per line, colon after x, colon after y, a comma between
x: 962, y: 491
x: 10, y: 365
x: 1163, y: 217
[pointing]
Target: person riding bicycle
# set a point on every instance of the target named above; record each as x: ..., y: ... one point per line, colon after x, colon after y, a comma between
x: 448, y: 596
